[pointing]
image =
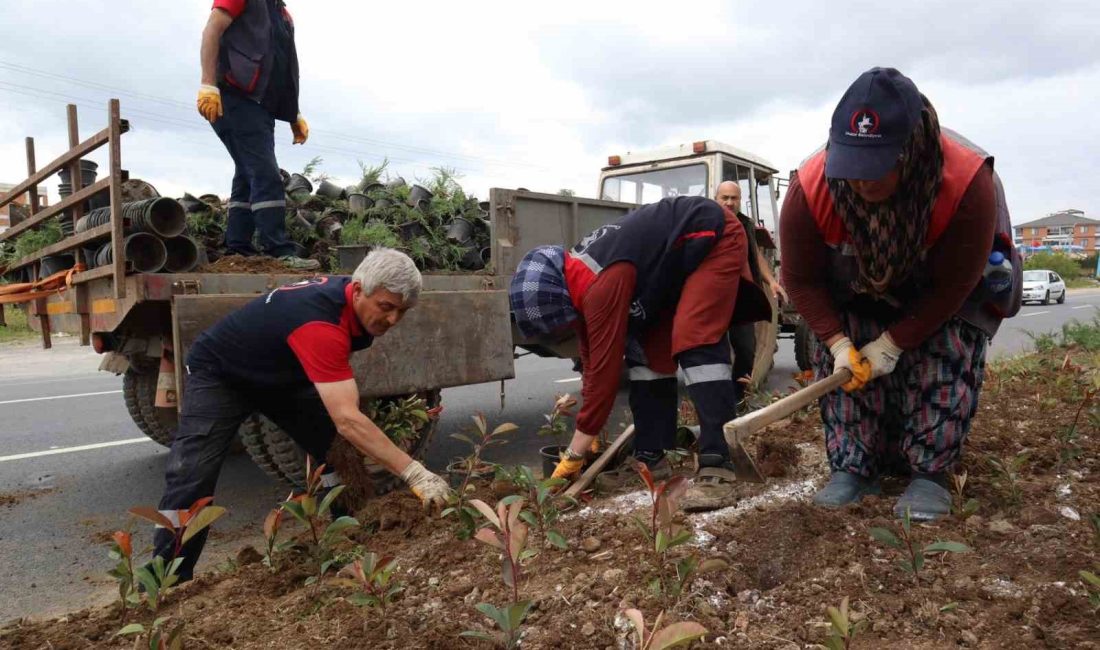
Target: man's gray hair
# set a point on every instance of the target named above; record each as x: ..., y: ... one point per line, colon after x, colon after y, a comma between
x: 393, y: 271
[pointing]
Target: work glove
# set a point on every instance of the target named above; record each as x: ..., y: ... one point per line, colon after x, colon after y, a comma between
x: 882, y: 354
x: 209, y: 102
x: 569, y: 466
x: 846, y: 356
x: 300, y: 128
x: 429, y: 488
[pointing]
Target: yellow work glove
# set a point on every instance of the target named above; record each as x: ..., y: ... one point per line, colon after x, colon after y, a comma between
x: 845, y: 355
x: 568, y: 468
x: 429, y: 488
x: 300, y: 128
x: 209, y: 102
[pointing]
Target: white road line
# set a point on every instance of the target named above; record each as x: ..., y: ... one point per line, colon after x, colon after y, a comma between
x: 91, y: 377
x: 567, y: 381
x: 68, y: 450
x: 41, y: 399
x: 1085, y: 307
x: 1034, y: 313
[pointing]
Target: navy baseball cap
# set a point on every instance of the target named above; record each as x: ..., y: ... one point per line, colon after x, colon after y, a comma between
x: 871, y: 124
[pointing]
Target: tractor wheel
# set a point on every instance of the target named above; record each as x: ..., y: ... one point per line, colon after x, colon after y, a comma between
x: 803, y: 346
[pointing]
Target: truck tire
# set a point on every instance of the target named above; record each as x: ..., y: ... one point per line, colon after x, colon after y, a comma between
x: 803, y: 346
x: 139, y: 391
x: 280, y: 457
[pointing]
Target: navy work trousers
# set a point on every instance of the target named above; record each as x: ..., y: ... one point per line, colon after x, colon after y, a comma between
x: 257, y: 201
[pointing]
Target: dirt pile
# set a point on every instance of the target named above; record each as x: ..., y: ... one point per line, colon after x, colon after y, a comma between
x: 780, y: 561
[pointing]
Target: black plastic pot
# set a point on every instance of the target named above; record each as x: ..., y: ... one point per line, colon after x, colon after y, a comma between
x: 299, y: 186
x: 338, y: 214
x: 98, y: 200
x: 144, y: 251
x: 305, y: 218
x: 395, y: 183
x: 551, y: 456
x: 486, y: 255
x: 484, y: 206
x: 350, y: 256
x: 424, y: 205
x: 359, y: 202
x: 373, y: 187
x: 87, y: 173
x: 93, y: 219
x: 329, y: 228
x: 459, y: 230
x: 418, y: 193
x: 456, y: 472
x: 67, y: 226
x: 89, y: 257
x: 191, y: 204
x: 410, y: 230
x: 161, y: 216
x: 471, y: 258
x: 182, y: 254
x: 383, y: 203
x: 330, y: 190
x: 53, y: 263
x: 285, y: 176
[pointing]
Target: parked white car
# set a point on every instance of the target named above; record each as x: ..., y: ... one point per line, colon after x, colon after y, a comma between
x: 1041, y: 286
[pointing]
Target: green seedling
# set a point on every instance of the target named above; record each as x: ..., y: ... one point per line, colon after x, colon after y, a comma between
x: 312, y: 511
x: 915, y: 553
x: 1067, y: 437
x: 664, y: 535
x: 960, y: 505
x: 272, y: 523
x: 842, y: 629
x: 509, y: 623
x: 373, y: 576
x: 542, y: 506
x: 1092, y: 583
x: 123, y: 573
x: 1007, y: 477
x: 458, y: 504
x: 160, y: 574
x: 156, y: 638
x: 559, y: 419
x: 670, y: 636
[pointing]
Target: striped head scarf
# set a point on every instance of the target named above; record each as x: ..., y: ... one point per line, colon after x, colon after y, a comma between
x: 538, y: 294
x: 888, y: 237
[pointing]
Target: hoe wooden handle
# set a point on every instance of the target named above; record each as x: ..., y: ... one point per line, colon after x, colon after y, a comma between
x: 600, y: 463
x: 750, y: 423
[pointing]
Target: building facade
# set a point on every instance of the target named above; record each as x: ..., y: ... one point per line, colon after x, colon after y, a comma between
x: 1068, y: 229
x: 5, y: 212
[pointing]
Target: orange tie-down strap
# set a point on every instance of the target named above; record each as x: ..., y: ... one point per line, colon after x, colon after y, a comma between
x: 44, y: 288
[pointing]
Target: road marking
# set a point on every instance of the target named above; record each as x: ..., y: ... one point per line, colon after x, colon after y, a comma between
x: 1034, y: 313
x: 40, y: 399
x: 1085, y: 307
x: 68, y: 450
x: 567, y: 381
x: 89, y: 377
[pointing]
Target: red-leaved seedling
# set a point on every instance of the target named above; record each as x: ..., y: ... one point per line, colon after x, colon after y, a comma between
x: 373, y: 575
x: 312, y: 512
x: 122, y: 551
x: 660, y: 638
x: 272, y: 523
x: 665, y: 535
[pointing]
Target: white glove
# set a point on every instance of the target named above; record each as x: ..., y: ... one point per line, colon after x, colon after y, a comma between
x: 846, y: 356
x: 840, y: 351
x: 428, y: 487
x: 883, y: 355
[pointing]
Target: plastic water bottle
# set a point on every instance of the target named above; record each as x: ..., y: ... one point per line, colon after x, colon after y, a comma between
x: 998, y: 272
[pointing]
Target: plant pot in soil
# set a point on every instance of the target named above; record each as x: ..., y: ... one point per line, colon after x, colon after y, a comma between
x: 383, y: 203
x: 395, y: 183
x: 483, y: 206
x: 350, y: 256
x: 550, y: 455
x: 359, y: 202
x: 486, y: 255
x: 418, y: 193
x: 298, y: 184
x: 87, y: 173
x: 192, y: 205
x: 338, y: 214
x: 410, y: 230
x: 373, y: 187
x: 471, y: 258
x: 330, y: 190
x: 456, y: 472
x: 424, y: 205
x: 459, y: 230
x: 329, y: 228
x: 305, y: 218
x: 53, y: 263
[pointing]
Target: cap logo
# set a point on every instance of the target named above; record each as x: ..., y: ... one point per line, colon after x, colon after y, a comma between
x: 864, y: 124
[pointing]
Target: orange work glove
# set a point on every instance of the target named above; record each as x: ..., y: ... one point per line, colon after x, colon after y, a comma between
x: 568, y: 468
x: 845, y: 355
x: 209, y: 102
x: 300, y: 129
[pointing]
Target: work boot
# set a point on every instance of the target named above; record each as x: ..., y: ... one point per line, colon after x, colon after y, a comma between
x: 926, y: 498
x: 715, y: 485
x: 626, y: 475
x: 299, y: 263
x: 844, y: 488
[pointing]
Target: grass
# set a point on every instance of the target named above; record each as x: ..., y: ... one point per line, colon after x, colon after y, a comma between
x: 1081, y: 283
x: 17, y: 328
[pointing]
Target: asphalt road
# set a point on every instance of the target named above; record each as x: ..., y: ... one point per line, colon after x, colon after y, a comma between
x: 72, y: 462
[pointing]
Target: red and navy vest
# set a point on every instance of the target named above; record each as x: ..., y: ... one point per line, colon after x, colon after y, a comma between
x: 962, y: 160
x: 256, y: 51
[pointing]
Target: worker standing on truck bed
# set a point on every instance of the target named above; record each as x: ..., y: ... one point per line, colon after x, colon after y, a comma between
x: 286, y: 355
x: 249, y: 80
x: 743, y: 335
x: 885, y: 235
x: 660, y: 286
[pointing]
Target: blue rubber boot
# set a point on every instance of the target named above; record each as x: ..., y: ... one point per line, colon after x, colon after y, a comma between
x: 844, y: 488
x: 926, y: 498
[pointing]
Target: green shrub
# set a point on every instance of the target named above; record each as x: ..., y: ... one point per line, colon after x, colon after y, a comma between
x: 1063, y: 265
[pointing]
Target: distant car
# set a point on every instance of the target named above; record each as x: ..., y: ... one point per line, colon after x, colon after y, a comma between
x: 1041, y: 285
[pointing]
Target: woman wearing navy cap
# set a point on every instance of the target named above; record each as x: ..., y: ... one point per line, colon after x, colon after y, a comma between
x: 885, y: 235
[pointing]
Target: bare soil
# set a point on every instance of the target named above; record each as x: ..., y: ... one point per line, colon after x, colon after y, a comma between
x: 240, y: 264
x: 785, y: 560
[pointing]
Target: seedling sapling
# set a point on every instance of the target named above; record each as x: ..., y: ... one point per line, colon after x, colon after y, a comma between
x: 660, y: 638
x: 962, y: 506
x: 1007, y: 476
x: 913, y: 549
x: 542, y: 510
x: 664, y: 535
x: 156, y: 637
x: 842, y: 629
x: 123, y: 573
x: 272, y: 523
x: 558, y: 419
x: 373, y: 575
x: 458, y: 505
x: 313, y: 512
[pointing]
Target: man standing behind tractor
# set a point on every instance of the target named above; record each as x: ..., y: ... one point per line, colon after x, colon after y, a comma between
x: 286, y: 354
x: 659, y: 286
x: 743, y: 335
x: 249, y: 80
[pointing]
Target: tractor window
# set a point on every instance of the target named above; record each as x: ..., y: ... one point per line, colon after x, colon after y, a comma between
x: 766, y: 209
x: 652, y: 186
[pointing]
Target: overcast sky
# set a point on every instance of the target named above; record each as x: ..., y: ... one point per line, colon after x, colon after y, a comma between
x: 538, y: 95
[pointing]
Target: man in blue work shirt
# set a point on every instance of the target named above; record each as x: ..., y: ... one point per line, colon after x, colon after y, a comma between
x: 249, y: 80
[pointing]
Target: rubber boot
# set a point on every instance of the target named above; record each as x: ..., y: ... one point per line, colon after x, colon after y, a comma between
x: 926, y: 498
x: 844, y: 488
